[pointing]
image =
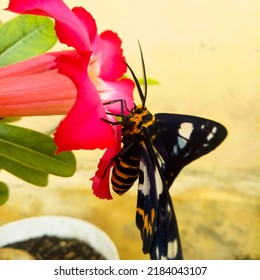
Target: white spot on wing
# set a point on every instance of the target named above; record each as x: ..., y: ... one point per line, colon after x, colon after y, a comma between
x: 158, y: 181
x: 145, y: 187
x: 172, y: 249
x: 182, y: 142
x: 210, y: 136
x: 212, y: 133
x: 157, y: 253
x: 159, y: 158
x: 185, y: 130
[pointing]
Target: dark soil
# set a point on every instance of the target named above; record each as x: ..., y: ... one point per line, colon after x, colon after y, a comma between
x: 54, y: 248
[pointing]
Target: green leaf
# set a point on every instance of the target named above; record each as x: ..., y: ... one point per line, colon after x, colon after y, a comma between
x: 10, y: 119
x: 24, y: 37
x: 150, y: 81
x: 26, y: 173
x: 30, y: 155
x: 4, y: 193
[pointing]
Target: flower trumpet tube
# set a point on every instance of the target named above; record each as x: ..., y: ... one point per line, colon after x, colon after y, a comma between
x: 34, y: 88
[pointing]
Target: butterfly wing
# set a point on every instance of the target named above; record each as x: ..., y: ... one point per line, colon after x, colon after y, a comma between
x: 180, y: 139
x: 177, y: 141
x: 155, y: 216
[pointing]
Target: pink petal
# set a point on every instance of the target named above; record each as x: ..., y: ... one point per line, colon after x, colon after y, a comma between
x: 117, y: 90
x: 101, y: 180
x: 83, y: 127
x: 112, y: 51
x: 87, y: 20
x: 70, y: 29
x: 108, y: 54
x: 105, y: 70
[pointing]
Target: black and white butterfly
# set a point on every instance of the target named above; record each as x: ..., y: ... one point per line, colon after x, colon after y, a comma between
x: 155, y: 149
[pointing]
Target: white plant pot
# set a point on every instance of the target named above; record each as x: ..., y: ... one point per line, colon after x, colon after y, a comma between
x: 59, y: 226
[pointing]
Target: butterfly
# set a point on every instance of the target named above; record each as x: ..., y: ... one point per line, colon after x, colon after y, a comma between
x: 155, y: 149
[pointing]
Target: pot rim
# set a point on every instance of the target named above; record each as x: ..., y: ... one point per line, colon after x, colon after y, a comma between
x: 61, y: 226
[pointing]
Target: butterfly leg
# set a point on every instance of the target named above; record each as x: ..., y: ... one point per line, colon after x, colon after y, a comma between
x: 123, y: 106
x: 111, y: 122
x: 122, y: 114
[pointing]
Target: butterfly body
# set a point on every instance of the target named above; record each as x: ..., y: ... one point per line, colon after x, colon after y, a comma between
x: 126, y: 169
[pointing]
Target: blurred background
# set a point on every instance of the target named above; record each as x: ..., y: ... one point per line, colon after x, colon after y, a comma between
x: 206, y: 56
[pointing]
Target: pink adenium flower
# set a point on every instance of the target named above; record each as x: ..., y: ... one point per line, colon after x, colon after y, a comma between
x: 92, y: 76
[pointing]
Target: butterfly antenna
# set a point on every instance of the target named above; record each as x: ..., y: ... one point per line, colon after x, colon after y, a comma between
x: 144, y: 75
x: 142, y: 96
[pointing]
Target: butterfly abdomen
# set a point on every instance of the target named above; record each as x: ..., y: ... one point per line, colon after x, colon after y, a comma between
x: 126, y: 170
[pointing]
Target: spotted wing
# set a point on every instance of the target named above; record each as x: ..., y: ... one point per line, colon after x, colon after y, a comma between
x: 155, y: 216
x: 180, y: 139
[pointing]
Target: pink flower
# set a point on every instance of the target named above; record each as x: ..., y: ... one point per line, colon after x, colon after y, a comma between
x: 95, y: 68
